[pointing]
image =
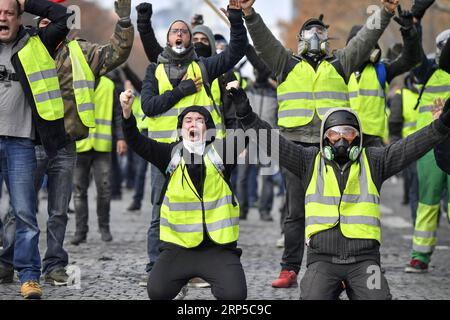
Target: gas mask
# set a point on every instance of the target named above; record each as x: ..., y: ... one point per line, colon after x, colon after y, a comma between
x: 202, y: 50
x: 341, y: 144
x: 313, y: 41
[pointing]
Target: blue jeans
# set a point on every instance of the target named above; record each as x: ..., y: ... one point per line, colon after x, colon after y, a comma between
x: 153, y: 242
x: 21, y: 231
x: 59, y: 171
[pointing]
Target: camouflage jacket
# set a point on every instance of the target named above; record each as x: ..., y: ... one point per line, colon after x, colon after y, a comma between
x: 102, y: 59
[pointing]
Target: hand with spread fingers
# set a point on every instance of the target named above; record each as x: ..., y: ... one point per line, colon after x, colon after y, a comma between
x: 246, y: 6
x: 405, y: 18
x: 123, y: 8
x: 390, y: 5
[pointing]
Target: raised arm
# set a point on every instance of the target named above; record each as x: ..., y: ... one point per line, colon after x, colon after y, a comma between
x: 56, y: 31
x: 155, y: 152
x: 270, y: 49
x: 104, y: 58
x: 144, y: 24
x: 412, y: 50
x: 219, y: 64
x: 358, y: 49
x: 291, y: 156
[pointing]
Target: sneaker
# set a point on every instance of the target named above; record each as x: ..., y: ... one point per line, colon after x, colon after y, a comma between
x: 57, y: 277
x: 198, y: 283
x: 182, y: 294
x: 280, y: 242
x: 106, y: 235
x: 134, y: 207
x: 6, y: 274
x: 416, y: 266
x: 78, y: 238
x: 286, y: 279
x: 31, y: 290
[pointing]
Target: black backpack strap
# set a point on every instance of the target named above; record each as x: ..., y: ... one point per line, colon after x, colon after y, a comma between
x: 207, y: 84
x: 334, y: 61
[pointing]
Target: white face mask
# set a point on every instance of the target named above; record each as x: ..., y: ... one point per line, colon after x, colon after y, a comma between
x: 179, y: 49
x: 197, y: 147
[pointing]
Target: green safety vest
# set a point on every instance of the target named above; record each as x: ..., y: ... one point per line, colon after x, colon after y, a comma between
x: 185, y: 215
x: 438, y: 86
x: 357, y: 210
x: 100, y: 137
x: 409, y: 101
x: 368, y: 100
x: 83, y: 84
x: 136, y: 107
x: 40, y: 70
x: 163, y: 128
x: 306, y: 91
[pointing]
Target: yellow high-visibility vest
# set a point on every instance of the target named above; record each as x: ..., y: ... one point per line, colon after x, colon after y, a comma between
x: 438, y: 86
x: 185, y: 215
x: 368, y: 100
x: 83, y: 84
x: 409, y: 101
x: 357, y: 210
x: 100, y: 138
x: 306, y: 91
x: 40, y: 70
x: 163, y: 128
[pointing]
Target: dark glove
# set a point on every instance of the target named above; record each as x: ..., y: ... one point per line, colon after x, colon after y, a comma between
x: 187, y: 87
x: 420, y: 7
x: 240, y: 101
x: 445, y: 116
x: 145, y: 11
x: 404, y: 19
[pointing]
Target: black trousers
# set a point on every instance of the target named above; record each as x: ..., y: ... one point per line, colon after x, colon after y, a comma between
x: 220, y: 266
x: 363, y: 281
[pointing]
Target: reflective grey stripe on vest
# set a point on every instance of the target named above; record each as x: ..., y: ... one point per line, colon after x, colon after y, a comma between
x: 80, y: 84
x: 198, y: 227
x: 182, y: 228
x: 103, y: 122
x: 331, y: 95
x: 323, y: 111
x: 425, y: 234
x: 86, y: 107
x: 370, y: 221
x: 437, y: 89
x: 222, y: 224
x: 295, y: 113
x: 101, y: 136
x: 424, y: 249
x: 320, y: 220
x: 42, y: 97
x: 295, y: 96
x: 174, y: 112
x: 313, y: 96
x: 409, y: 124
x: 191, y: 206
x: 353, y: 94
x: 163, y: 134
x: 318, y: 196
x: 40, y: 75
x: 424, y: 109
x: 364, y: 195
x: 371, y: 93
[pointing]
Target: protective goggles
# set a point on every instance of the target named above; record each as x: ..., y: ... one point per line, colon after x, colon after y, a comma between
x: 441, y: 44
x: 176, y: 31
x: 334, y: 134
x: 321, y: 32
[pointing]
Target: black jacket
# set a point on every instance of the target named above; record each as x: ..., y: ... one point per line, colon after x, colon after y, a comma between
x: 442, y: 154
x: 384, y: 162
x: 52, y: 134
x: 154, y: 103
